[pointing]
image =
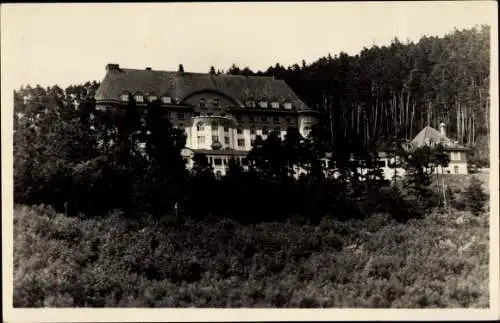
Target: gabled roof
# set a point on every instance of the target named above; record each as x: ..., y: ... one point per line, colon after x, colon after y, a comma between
x: 428, y: 134
x: 180, y: 84
x: 431, y: 136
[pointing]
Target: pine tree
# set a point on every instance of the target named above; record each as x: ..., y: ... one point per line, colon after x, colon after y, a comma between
x: 475, y: 197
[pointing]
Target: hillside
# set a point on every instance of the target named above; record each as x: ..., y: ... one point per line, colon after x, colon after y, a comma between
x: 396, y: 90
x: 439, y: 261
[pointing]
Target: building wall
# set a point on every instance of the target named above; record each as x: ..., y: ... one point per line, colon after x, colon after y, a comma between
x: 207, y: 117
x: 233, y: 130
x: 305, y: 123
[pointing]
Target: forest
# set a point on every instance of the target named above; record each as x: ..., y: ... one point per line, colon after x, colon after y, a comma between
x: 394, y: 91
x: 107, y: 215
x: 380, y: 97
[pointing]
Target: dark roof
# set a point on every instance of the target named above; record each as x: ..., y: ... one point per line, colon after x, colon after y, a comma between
x: 179, y: 85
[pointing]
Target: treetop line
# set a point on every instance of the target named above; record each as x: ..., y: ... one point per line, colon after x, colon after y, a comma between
x: 333, y: 119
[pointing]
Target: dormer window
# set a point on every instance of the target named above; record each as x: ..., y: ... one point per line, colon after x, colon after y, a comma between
x: 139, y: 98
x: 203, y: 103
x: 263, y: 104
x: 152, y: 98
x: 124, y: 97
x: 250, y: 104
x: 275, y: 105
x: 166, y: 99
x: 287, y: 105
x: 215, y: 102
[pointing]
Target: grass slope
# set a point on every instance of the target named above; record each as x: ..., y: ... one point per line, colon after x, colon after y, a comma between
x: 439, y: 261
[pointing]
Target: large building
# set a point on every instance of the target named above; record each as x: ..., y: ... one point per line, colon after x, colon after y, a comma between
x: 221, y: 114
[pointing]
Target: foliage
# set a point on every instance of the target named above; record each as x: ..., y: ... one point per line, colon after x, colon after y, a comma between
x: 474, y: 196
x: 83, y: 160
x: 396, y: 90
x: 114, y: 261
x: 79, y: 159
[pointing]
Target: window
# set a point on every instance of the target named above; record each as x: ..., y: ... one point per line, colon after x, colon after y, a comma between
x: 252, y: 131
x: 288, y: 120
x: 241, y: 142
x: 275, y: 105
x: 217, y: 161
x: 252, y: 142
x: 152, y: 98
x: 250, y: 104
x: 394, y: 161
x: 251, y: 119
x: 226, y: 140
x: 265, y: 131
x: 239, y: 131
x: 381, y: 163
x: 200, y: 126
x: 287, y: 106
x: 215, y: 127
x: 455, y: 169
x: 139, y: 98
x: 226, y: 129
x: 222, y: 114
x: 196, y: 114
x: 455, y: 155
x: 264, y: 118
x: 203, y: 103
x: 209, y: 114
x: 263, y: 104
x: 239, y: 118
x: 276, y: 119
x: 124, y: 97
x: 166, y: 100
x: 201, y: 140
x: 218, y: 174
x: 215, y: 139
x: 215, y: 102
x: 277, y: 130
x: 180, y: 115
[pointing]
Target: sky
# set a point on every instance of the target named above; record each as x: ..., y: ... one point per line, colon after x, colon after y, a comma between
x: 66, y: 44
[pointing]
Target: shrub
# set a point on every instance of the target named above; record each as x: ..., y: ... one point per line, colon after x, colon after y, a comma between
x: 146, y: 262
x: 474, y: 196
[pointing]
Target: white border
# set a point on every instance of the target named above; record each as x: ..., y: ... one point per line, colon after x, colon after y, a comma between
x: 186, y: 315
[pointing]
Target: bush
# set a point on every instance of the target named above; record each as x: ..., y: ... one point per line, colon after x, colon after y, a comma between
x: 147, y: 262
x: 474, y: 197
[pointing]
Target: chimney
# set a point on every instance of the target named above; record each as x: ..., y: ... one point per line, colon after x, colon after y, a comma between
x: 442, y: 129
x: 112, y: 67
